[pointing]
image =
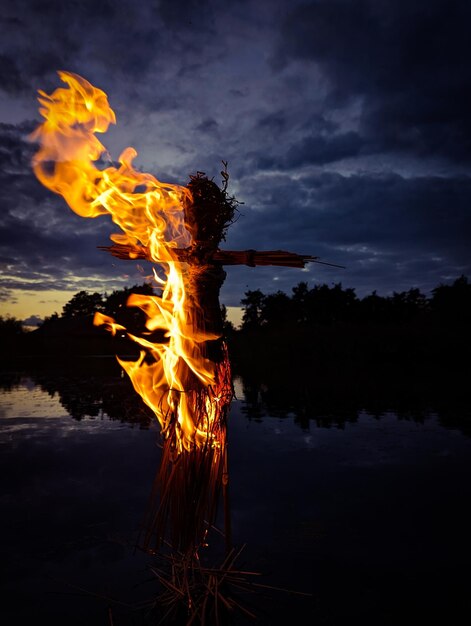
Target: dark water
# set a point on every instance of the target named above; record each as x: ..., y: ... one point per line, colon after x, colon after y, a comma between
x: 367, y: 514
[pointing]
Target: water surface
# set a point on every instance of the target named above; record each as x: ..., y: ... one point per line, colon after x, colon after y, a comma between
x: 366, y: 513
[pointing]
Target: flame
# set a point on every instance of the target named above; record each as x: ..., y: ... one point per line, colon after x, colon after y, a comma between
x: 169, y: 376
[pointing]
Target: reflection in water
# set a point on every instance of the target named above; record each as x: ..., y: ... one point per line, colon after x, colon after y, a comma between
x: 97, y: 388
x: 337, y: 400
x: 374, y: 513
x: 70, y: 492
x: 89, y: 388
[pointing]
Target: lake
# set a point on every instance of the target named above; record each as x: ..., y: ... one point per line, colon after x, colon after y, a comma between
x: 365, y: 513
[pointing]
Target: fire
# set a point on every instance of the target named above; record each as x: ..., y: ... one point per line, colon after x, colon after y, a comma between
x: 169, y: 376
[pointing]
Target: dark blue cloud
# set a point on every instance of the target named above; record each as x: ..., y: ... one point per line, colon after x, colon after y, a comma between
x: 318, y: 150
x: 345, y: 123
x: 409, y: 62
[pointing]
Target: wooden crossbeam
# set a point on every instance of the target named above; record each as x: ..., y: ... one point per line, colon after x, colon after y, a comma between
x: 251, y: 258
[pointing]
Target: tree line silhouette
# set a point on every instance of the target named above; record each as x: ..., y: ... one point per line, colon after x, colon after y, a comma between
x: 324, y: 305
x: 327, y: 333
x: 330, y: 321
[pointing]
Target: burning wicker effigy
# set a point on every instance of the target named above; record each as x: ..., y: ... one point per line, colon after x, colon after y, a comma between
x: 184, y: 374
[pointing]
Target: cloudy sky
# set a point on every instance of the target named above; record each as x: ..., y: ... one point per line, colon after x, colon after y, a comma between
x: 346, y: 125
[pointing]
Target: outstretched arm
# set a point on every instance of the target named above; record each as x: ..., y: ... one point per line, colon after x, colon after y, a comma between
x: 251, y: 258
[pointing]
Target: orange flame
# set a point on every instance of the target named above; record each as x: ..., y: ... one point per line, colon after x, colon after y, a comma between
x: 149, y: 213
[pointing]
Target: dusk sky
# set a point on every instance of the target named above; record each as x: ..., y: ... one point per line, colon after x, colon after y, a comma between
x: 346, y: 125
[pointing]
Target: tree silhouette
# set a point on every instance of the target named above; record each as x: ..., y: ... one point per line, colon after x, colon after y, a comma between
x: 452, y: 302
x: 252, y: 304
x: 50, y: 320
x: 407, y: 305
x: 228, y: 326
x: 10, y: 326
x: 300, y: 300
x: 373, y: 308
x: 83, y: 304
x: 11, y: 332
x: 330, y: 304
x: 115, y: 305
x: 276, y: 310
